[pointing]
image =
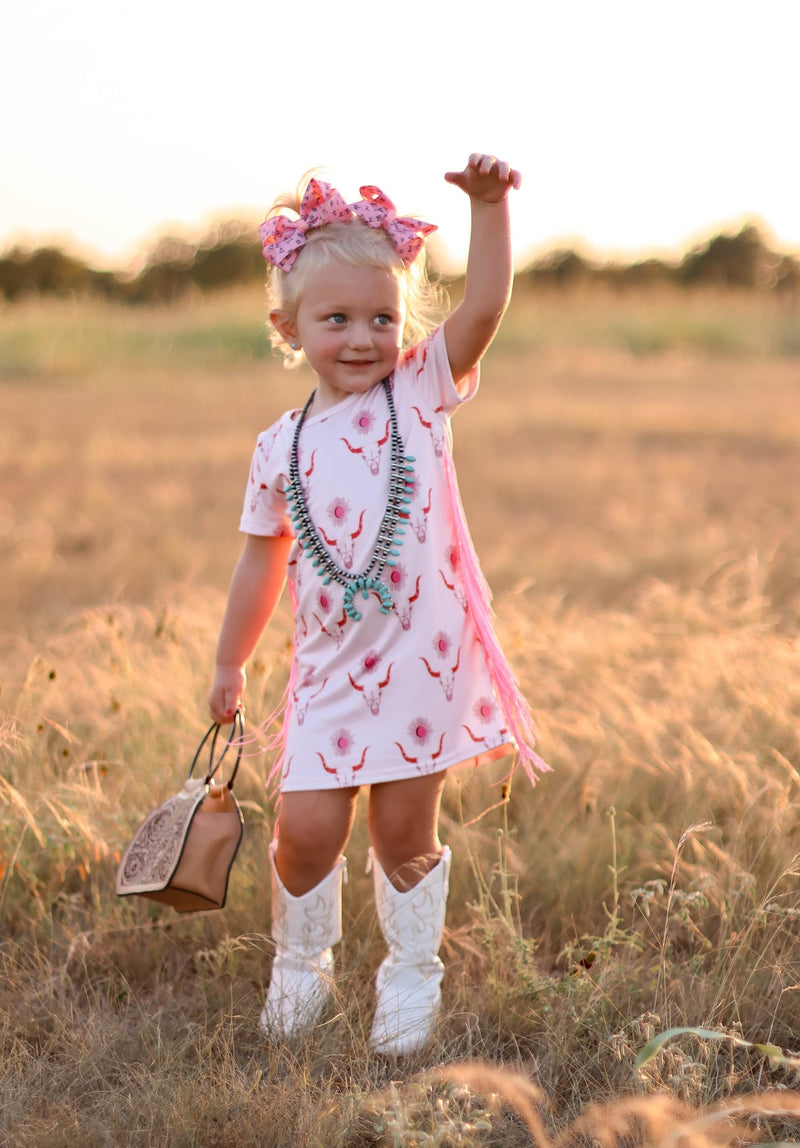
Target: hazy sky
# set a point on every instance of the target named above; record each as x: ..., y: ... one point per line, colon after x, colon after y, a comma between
x: 636, y: 125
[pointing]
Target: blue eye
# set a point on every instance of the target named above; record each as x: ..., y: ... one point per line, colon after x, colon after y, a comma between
x: 337, y: 318
x: 383, y: 320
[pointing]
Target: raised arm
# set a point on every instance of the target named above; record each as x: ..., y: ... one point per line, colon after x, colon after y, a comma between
x: 256, y: 588
x: 472, y: 326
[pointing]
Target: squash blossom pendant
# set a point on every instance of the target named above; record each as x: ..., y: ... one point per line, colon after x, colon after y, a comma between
x: 390, y: 534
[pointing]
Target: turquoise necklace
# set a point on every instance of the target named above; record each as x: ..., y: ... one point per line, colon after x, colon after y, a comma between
x: 390, y: 535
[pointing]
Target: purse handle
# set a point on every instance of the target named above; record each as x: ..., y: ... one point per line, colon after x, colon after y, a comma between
x: 236, y: 737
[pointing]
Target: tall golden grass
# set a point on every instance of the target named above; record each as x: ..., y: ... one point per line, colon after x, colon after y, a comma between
x: 630, y: 469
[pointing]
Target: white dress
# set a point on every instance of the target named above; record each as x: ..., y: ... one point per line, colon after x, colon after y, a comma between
x: 396, y: 694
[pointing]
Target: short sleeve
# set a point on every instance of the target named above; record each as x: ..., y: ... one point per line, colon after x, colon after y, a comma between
x: 426, y: 367
x: 264, y: 511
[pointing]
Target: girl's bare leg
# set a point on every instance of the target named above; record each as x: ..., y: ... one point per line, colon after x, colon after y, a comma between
x: 313, y: 828
x: 403, y: 827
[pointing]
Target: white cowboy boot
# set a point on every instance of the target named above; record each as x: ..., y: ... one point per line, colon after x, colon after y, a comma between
x: 409, y: 979
x: 303, y: 929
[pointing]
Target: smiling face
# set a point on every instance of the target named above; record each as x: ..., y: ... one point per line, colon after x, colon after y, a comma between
x: 349, y: 321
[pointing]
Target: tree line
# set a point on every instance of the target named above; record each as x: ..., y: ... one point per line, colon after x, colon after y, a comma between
x: 229, y: 255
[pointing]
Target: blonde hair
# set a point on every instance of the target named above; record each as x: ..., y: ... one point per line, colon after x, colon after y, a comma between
x: 360, y: 245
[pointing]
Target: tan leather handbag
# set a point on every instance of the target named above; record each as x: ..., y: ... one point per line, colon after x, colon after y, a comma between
x: 182, y: 853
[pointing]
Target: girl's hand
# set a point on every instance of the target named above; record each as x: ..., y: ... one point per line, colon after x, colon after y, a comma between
x: 226, y: 694
x: 485, y: 178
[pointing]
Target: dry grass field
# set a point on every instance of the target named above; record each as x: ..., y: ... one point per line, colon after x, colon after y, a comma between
x: 631, y: 470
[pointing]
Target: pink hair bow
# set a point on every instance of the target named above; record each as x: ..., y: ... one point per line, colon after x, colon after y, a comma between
x: 407, y: 234
x: 282, y: 237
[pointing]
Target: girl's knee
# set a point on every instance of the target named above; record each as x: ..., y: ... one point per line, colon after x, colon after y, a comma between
x: 312, y: 821
x: 312, y: 833
x: 406, y: 810
x: 398, y: 834
x: 300, y: 835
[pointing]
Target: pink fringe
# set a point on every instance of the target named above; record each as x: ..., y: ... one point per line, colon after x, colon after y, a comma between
x: 509, y: 695
x: 273, y: 740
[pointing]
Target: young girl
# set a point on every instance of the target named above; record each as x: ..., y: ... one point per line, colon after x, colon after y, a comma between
x: 396, y: 675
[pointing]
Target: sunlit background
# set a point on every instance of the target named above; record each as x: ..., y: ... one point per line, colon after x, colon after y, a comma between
x: 638, y: 127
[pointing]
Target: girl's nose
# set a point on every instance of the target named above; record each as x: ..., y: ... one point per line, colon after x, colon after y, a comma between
x: 360, y: 335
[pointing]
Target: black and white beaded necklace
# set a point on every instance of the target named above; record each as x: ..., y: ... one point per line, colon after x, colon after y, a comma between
x: 390, y: 535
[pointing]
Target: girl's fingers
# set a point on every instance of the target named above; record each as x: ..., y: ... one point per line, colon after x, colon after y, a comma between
x: 224, y: 707
x: 484, y: 164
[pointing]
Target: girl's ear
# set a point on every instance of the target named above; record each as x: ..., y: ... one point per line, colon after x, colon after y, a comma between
x: 284, y: 325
